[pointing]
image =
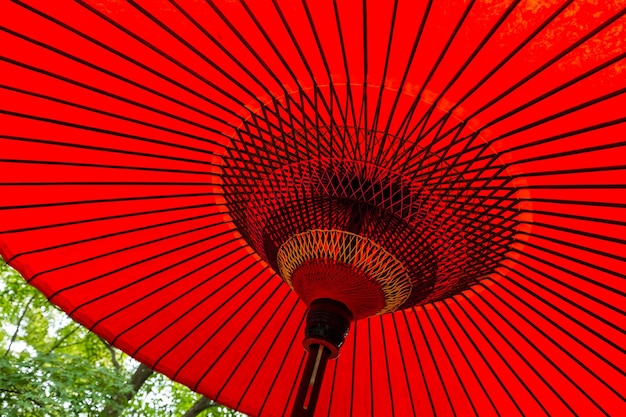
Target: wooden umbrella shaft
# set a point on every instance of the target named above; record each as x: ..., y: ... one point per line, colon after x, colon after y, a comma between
x: 311, y: 381
x: 327, y: 325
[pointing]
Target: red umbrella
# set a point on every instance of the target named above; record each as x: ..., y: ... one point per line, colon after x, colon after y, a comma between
x: 442, y: 180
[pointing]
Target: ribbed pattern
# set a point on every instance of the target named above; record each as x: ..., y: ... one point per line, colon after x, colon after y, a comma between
x: 115, y: 118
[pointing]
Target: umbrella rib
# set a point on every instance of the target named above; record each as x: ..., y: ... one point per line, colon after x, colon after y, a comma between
x: 542, y: 97
x: 169, y: 325
x: 446, y: 193
x: 562, y: 329
x: 464, y: 218
x: 294, y: 384
x: 464, y: 195
x: 578, y: 151
x: 446, y: 171
x: 551, y: 186
x: 128, y: 266
x: 562, y: 113
x: 276, y: 50
x: 108, y: 166
x: 221, y: 326
x: 170, y: 283
x: 569, y: 171
x: 506, y: 59
x: 570, y: 302
x: 451, y: 363
x: 363, y: 121
x: 119, y: 216
x: 562, y: 298
x: 115, y: 52
x: 556, y: 58
x: 433, y: 68
x: 529, y: 342
x: 215, y: 356
x: 349, y: 99
x: 354, y: 361
x: 418, y: 37
x: 255, y: 341
x: 512, y: 54
x: 404, y: 365
x: 131, y: 82
x: 125, y: 99
x: 517, y: 352
x: 222, y: 48
x: 103, y: 200
x: 127, y: 248
x: 422, y: 163
x: 384, y: 343
x: 333, y: 92
x: 107, y: 183
x: 104, y: 112
x: 258, y: 58
x: 180, y: 297
x: 260, y: 148
x: 201, y: 55
x: 467, y: 361
x: 581, y: 217
x: 280, y: 370
x: 285, y: 63
x: 598, y: 126
x: 497, y: 352
x: 580, y: 276
x: 419, y: 362
x: 244, y: 68
x: 168, y: 57
x: 115, y: 234
x: 112, y: 133
x: 573, y: 259
x: 98, y: 277
x: 302, y: 56
x: 486, y: 144
x: 392, y: 27
x: 467, y: 62
x: 584, y: 248
x: 371, y: 363
x: 580, y: 202
x: 263, y: 360
x: 490, y: 158
x: 434, y: 361
x: 332, y: 385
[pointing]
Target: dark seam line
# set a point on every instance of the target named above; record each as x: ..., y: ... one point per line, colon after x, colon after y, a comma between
x: 502, y: 358
x: 546, y: 357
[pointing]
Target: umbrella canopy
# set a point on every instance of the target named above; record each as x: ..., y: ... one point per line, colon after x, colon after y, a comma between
x: 184, y: 178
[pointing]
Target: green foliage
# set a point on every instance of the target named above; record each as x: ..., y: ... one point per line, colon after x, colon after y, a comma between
x: 55, y: 385
x: 162, y: 397
x: 51, y: 366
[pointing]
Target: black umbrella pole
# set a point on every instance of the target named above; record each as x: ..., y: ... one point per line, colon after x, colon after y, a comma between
x: 311, y: 381
x: 327, y: 325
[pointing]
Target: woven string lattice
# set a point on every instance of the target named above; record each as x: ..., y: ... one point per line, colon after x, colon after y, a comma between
x: 357, y: 252
x: 414, y: 204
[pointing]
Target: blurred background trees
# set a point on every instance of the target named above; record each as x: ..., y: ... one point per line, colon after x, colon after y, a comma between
x: 51, y: 366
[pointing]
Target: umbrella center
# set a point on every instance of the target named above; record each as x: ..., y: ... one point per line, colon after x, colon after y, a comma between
x: 346, y: 267
x: 346, y: 230
x: 319, y: 205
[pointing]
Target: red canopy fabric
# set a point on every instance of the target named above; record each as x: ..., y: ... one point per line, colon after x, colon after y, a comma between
x: 133, y: 135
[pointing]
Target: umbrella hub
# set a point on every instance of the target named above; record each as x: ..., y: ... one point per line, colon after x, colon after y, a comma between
x: 327, y: 324
x: 347, y: 230
x: 345, y: 267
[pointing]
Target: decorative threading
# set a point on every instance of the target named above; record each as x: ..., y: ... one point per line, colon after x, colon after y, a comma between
x: 353, y: 250
x: 449, y: 230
